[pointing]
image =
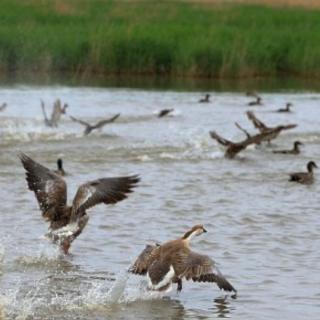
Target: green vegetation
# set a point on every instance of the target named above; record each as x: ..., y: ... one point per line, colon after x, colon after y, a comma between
x: 88, y: 37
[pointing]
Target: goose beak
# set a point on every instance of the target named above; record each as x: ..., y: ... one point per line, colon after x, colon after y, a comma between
x: 204, y: 230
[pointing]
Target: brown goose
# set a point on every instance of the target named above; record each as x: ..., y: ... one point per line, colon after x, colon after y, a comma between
x: 286, y: 109
x: 257, y: 102
x: 57, y: 111
x: 67, y: 222
x: 60, y: 171
x: 304, y: 177
x: 164, y: 112
x: 294, y: 150
x: 98, y: 125
x: 3, y: 107
x: 270, y: 133
x: 233, y: 148
x: 206, y: 99
x: 174, y: 261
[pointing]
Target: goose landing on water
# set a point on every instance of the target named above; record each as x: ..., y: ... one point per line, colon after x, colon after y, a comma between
x: 98, y: 125
x: 174, y: 261
x: 67, y: 222
x: 304, y: 177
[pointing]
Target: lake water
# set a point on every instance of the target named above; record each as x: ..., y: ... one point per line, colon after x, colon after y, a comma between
x: 262, y: 230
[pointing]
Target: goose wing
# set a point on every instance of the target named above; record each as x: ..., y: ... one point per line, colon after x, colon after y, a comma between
x: 256, y: 122
x: 101, y: 123
x: 50, y: 189
x: 84, y: 123
x: 219, y: 139
x: 145, y: 259
x: 105, y: 190
x: 201, y: 268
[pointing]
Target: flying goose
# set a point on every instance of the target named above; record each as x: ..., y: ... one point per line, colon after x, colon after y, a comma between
x: 294, y: 150
x: 60, y: 170
x: 174, y: 261
x: 205, y: 99
x: 164, y: 112
x: 304, y: 177
x: 57, y: 111
x: 257, y: 102
x: 98, y: 125
x: 67, y: 222
x: 269, y: 132
x: 3, y: 106
x: 233, y: 148
x: 286, y: 109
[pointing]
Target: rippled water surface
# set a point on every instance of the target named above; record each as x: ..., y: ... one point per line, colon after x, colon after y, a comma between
x: 262, y: 230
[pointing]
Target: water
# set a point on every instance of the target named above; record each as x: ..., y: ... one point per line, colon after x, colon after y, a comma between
x: 262, y: 230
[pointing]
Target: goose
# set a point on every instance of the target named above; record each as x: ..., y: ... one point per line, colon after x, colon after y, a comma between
x: 174, y: 261
x: 3, y: 106
x: 270, y: 133
x: 205, y: 99
x: 286, y: 109
x: 304, y: 177
x: 233, y: 148
x: 294, y: 150
x: 57, y: 111
x: 68, y: 221
x: 60, y: 171
x: 164, y: 112
x: 257, y: 102
x: 98, y: 125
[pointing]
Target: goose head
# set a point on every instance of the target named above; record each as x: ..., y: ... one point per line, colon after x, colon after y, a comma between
x: 196, y: 230
x: 60, y: 164
x: 311, y: 165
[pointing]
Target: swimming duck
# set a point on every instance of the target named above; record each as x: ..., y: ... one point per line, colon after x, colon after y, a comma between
x: 257, y: 102
x: 60, y: 171
x: 304, y: 177
x: 205, y: 99
x: 286, y: 109
x: 174, y: 261
x: 3, y: 106
x: 57, y: 111
x: 270, y: 133
x: 294, y: 150
x: 98, y: 125
x: 164, y: 112
x: 67, y: 222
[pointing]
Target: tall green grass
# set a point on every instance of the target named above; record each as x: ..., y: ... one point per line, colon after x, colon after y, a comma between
x: 157, y: 38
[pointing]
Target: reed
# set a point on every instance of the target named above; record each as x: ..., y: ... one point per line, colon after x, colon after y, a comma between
x: 158, y: 38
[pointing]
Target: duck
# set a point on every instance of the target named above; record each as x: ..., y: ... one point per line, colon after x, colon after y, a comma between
x: 270, y: 133
x: 286, y: 109
x: 60, y: 170
x: 294, y: 150
x: 66, y: 222
x: 206, y: 99
x: 257, y: 102
x: 164, y: 112
x: 89, y: 128
x: 304, y: 177
x: 173, y: 261
x: 3, y: 106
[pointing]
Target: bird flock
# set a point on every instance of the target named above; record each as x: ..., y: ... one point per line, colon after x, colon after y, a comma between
x: 164, y: 264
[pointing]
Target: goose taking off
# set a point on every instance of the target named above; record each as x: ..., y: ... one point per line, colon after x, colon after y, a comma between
x: 269, y: 132
x: 206, y: 99
x: 57, y: 111
x: 294, y: 150
x: 67, y: 222
x: 98, y: 125
x: 304, y: 177
x: 174, y: 261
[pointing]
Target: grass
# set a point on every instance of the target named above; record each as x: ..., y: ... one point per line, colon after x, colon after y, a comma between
x: 172, y: 38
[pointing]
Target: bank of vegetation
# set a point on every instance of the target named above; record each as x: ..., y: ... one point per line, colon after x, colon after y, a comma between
x: 173, y: 38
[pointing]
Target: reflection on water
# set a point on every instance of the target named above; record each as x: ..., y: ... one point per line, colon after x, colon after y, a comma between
x: 262, y: 230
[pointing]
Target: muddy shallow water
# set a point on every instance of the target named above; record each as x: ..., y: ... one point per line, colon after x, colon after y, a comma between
x: 262, y: 230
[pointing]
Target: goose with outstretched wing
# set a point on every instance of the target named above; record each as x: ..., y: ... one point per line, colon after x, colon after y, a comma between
x: 174, y: 261
x: 67, y: 222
